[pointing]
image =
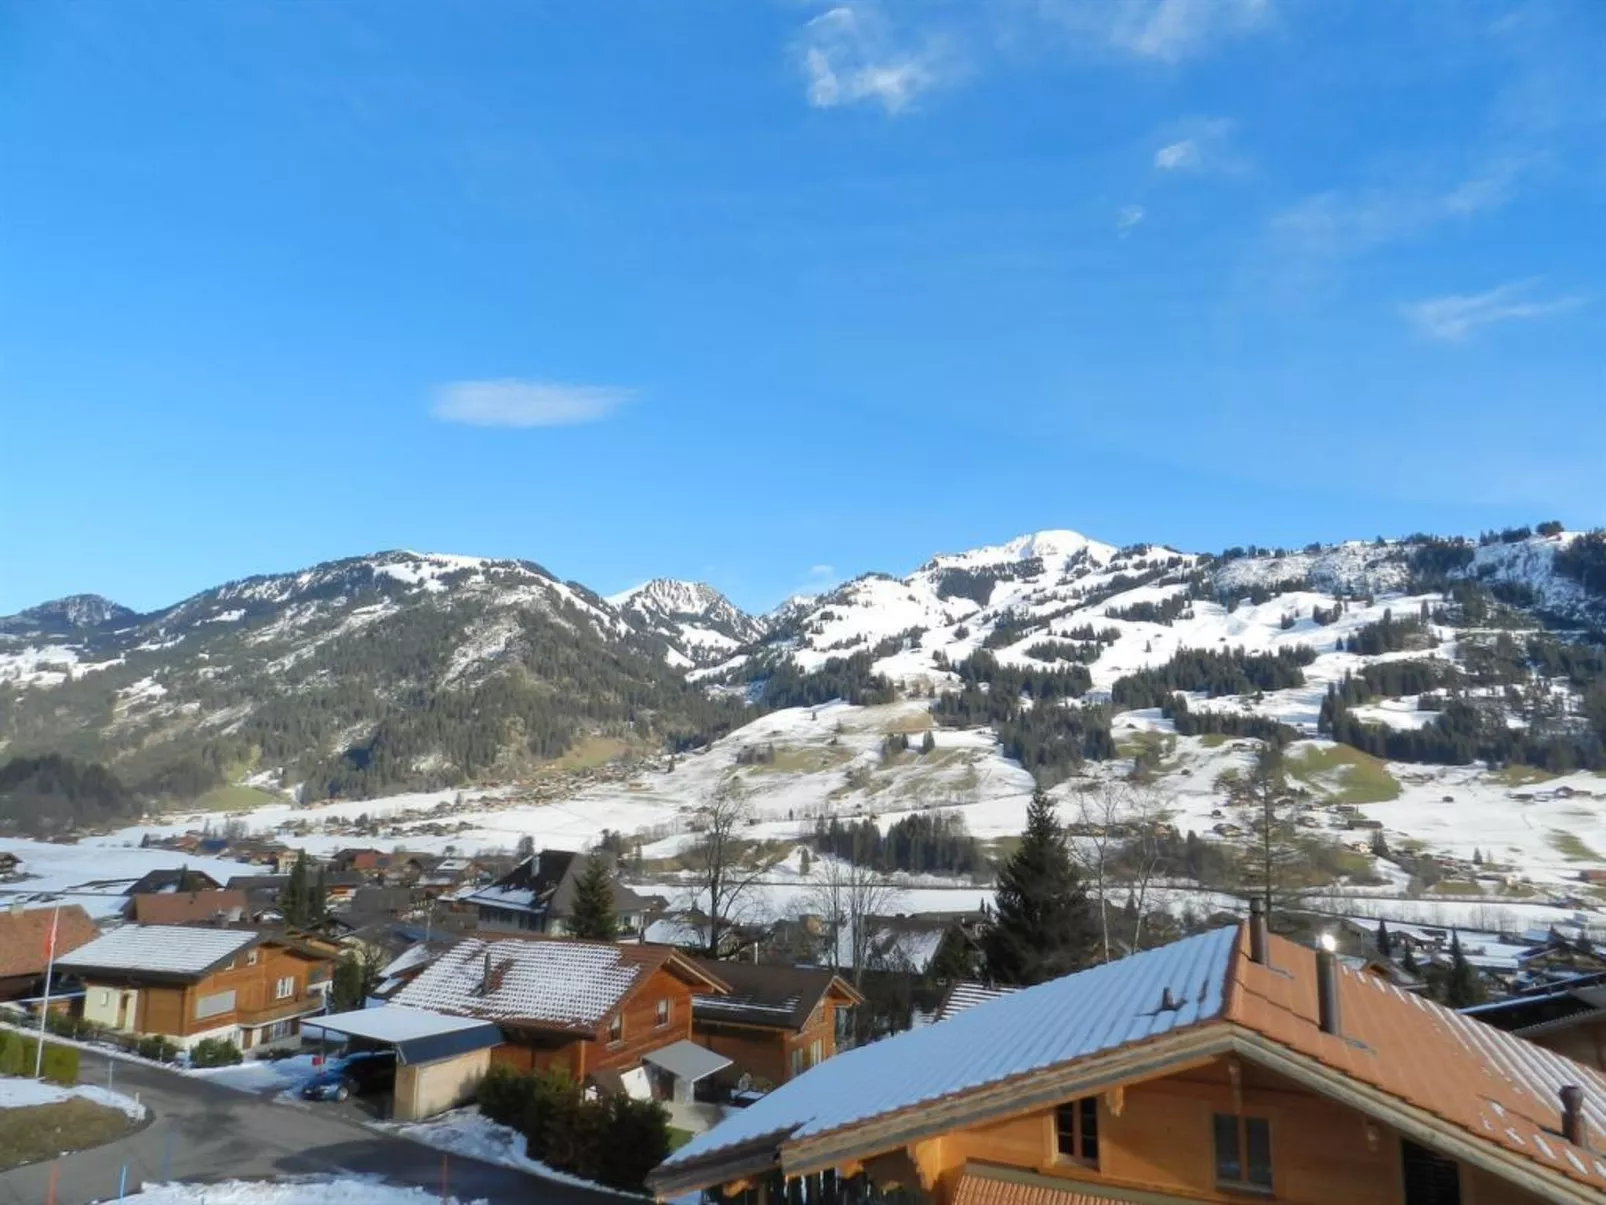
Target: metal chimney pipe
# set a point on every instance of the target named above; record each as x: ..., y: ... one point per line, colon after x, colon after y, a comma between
x: 1572, y: 1114
x: 1327, y: 991
x: 485, y: 976
x: 1257, y: 931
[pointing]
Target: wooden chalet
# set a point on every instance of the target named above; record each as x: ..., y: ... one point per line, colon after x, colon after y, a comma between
x: 1228, y: 1066
x: 601, y: 1013
x: 189, y: 982
x: 537, y: 895
x: 25, y: 945
x: 772, y: 1022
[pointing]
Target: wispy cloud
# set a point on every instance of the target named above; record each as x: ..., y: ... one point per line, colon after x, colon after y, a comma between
x: 1200, y: 144
x: 1167, y: 31
x: 852, y: 54
x: 1455, y: 316
x: 517, y: 403
x: 1129, y: 217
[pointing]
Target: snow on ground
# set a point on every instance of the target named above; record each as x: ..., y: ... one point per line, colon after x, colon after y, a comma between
x: 94, y: 876
x: 469, y: 1133
x: 27, y: 1093
x: 295, y: 1190
x: 260, y: 1075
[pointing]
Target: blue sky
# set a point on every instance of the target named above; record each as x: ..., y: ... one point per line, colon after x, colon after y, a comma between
x: 770, y: 293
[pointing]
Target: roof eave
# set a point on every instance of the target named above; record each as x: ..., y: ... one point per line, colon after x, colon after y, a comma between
x: 1415, y: 1123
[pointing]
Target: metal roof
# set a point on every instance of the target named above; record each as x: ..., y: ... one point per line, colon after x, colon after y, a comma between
x: 418, y: 1035
x: 159, y: 949
x: 1039, y: 1027
x: 687, y: 1060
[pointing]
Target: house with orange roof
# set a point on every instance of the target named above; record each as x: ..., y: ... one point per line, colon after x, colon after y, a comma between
x: 1228, y: 1066
x: 25, y: 943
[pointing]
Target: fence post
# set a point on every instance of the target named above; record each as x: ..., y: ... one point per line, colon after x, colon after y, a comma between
x: 122, y: 1182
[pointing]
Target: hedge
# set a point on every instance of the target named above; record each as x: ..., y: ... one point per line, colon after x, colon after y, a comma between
x: 18, y: 1053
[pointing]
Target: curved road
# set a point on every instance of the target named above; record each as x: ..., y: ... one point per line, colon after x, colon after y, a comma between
x: 201, y: 1131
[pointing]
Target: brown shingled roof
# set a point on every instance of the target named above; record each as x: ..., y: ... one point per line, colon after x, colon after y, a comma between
x: 1492, y: 1085
x: 187, y: 908
x: 24, y: 936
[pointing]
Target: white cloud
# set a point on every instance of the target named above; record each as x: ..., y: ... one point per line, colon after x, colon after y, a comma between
x: 1129, y: 217
x: 825, y: 571
x: 516, y: 403
x: 850, y: 54
x: 1200, y: 144
x: 1165, y: 30
x: 1457, y: 315
x: 1177, y: 156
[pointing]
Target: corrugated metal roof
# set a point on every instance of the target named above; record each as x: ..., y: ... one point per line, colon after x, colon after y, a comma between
x: 1044, y: 1026
x: 159, y: 949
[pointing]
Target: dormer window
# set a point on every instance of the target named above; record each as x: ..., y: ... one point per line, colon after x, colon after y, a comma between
x: 616, y: 1029
x: 1076, y: 1131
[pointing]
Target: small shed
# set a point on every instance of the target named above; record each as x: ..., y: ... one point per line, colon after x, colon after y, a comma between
x: 676, y: 1068
x: 440, y: 1059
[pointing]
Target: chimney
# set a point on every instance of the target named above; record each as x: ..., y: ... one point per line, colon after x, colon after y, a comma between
x: 1572, y: 1114
x: 1327, y: 990
x: 1257, y: 931
x: 485, y: 975
x: 1168, y: 1002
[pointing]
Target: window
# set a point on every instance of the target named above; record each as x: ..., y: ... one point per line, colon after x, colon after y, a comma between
x: 663, y: 1012
x: 214, y: 1005
x: 616, y: 1029
x: 1076, y: 1130
x: 795, y: 1061
x: 1243, y: 1152
x: 250, y: 958
x: 285, y: 988
x: 816, y: 1052
x: 105, y: 999
x: 1430, y: 1178
x: 279, y: 1030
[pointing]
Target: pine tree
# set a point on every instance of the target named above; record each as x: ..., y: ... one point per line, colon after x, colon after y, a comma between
x: 1461, y: 986
x: 317, y: 900
x: 928, y: 742
x: 593, y: 917
x: 295, y: 895
x: 803, y: 862
x: 1045, y: 927
x: 1383, y: 946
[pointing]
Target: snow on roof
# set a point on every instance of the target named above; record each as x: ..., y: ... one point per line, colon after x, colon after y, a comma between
x: 394, y: 1023
x: 1095, y: 1010
x: 566, y: 983
x: 161, y: 949
x: 409, y: 959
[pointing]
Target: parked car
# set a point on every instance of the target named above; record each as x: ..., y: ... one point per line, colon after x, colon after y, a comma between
x: 357, y: 1074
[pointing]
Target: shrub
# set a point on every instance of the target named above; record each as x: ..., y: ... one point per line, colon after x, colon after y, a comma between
x: 215, y: 1052
x: 155, y: 1046
x: 18, y: 1052
x: 501, y: 1095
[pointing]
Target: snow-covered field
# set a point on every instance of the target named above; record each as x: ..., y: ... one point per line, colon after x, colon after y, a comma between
x: 300, y: 1190
x: 26, y: 1093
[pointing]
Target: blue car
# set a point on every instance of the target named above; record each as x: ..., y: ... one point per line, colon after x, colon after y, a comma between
x: 356, y: 1074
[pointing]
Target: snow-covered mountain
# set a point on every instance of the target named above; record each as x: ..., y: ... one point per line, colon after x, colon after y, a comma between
x: 404, y: 669
x: 699, y: 623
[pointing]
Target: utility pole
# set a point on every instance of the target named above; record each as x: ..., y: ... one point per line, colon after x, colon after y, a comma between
x: 44, y: 1009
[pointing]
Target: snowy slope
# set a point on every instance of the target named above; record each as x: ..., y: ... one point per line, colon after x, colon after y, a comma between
x: 694, y: 619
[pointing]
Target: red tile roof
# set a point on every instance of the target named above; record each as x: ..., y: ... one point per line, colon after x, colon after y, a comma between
x: 187, y: 908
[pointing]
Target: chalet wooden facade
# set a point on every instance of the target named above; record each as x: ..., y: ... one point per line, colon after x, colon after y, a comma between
x: 772, y: 1022
x: 1226, y: 1067
x: 186, y: 983
x: 596, y: 1011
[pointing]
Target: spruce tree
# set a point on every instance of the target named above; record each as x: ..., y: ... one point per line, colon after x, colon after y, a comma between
x: 1461, y: 986
x: 1383, y: 939
x: 593, y: 917
x: 294, y: 896
x: 1408, y: 962
x: 1044, y: 927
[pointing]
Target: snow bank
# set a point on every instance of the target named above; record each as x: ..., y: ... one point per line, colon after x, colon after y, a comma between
x: 297, y: 1190
x: 471, y: 1134
x: 260, y: 1075
x: 27, y: 1093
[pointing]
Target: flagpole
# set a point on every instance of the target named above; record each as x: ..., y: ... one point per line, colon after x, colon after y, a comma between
x: 44, y: 1009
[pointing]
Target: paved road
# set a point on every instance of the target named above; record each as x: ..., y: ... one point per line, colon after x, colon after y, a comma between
x: 201, y: 1131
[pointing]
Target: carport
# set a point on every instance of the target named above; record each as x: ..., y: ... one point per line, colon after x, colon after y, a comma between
x: 682, y: 1064
x: 439, y: 1058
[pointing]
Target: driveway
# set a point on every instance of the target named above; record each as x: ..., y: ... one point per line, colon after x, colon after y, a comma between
x: 201, y: 1131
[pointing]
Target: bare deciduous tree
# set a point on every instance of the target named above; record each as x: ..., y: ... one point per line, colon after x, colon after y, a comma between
x: 1116, y: 840
x: 844, y: 895
x: 723, y: 877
